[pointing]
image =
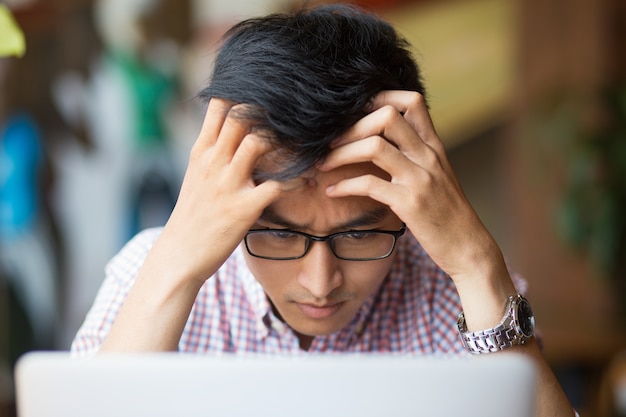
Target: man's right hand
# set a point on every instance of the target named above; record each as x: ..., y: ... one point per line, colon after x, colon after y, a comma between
x: 219, y: 200
x: 217, y: 204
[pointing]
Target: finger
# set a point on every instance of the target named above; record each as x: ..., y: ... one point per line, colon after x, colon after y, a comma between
x: 250, y: 151
x: 388, y: 123
x: 414, y: 110
x: 391, y: 125
x: 369, y: 186
x: 294, y: 184
x: 413, y: 107
x: 374, y: 149
x: 265, y: 194
x: 234, y: 128
x: 213, y: 120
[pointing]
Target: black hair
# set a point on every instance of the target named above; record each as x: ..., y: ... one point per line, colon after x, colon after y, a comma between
x: 308, y: 76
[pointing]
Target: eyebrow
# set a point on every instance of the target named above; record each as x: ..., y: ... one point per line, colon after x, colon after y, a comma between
x: 365, y: 219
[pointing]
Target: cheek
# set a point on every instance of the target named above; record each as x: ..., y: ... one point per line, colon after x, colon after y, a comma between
x: 272, y: 275
x: 366, y: 277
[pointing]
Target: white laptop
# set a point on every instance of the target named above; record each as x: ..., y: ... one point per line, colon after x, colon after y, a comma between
x: 53, y: 384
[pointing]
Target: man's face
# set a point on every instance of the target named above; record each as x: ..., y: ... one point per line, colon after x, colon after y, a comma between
x: 319, y: 294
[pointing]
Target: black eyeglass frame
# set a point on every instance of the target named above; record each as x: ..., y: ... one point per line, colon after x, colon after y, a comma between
x: 328, y: 238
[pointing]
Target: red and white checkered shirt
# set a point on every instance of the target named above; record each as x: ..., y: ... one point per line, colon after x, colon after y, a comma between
x: 414, y: 311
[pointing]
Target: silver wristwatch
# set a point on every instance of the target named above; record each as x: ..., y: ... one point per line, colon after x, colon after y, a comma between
x: 516, y: 327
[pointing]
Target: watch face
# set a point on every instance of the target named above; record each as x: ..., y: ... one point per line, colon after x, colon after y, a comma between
x: 525, y: 318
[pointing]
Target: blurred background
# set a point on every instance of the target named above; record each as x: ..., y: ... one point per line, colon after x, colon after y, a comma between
x: 97, y: 116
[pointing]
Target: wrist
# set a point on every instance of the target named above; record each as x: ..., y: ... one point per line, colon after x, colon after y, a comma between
x: 483, y: 294
x: 177, y: 260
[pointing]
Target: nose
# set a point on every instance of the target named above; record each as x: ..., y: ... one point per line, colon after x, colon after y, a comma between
x: 320, y: 273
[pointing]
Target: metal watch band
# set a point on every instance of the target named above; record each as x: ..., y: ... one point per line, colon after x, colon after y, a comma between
x: 490, y: 340
x: 502, y: 336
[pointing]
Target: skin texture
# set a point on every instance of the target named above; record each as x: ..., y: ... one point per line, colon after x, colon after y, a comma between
x: 320, y: 285
x: 389, y: 160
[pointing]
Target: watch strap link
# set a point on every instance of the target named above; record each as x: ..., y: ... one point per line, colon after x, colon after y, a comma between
x: 489, y: 340
x: 506, y: 334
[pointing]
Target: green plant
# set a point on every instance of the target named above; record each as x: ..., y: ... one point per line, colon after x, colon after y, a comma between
x: 592, y: 214
x: 577, y: 143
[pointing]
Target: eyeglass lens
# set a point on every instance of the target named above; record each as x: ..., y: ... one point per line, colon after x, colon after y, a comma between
x: 277, y: 244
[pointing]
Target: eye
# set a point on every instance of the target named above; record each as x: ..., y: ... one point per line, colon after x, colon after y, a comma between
x: 281, y: 235
x: 357, y: 236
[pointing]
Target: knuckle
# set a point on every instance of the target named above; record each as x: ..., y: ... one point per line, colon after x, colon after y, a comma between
x: 431, y: 159
x: 429, y: 179
x: 196, y: 153
x: 416, y: 100
x: 389, y: 113
x: 439, y: 147
x: 378, y: 146
x: 370, y: 181
x: 422, y: 195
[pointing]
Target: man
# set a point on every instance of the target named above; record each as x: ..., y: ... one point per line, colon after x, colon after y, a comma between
x: 318, y: 213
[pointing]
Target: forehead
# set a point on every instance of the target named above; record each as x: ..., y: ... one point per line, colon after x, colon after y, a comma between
x: 308, y: 207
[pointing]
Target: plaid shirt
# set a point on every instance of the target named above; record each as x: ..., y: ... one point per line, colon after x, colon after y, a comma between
x: 414, y: 311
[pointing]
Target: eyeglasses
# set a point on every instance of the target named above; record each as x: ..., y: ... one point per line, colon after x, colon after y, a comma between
x: 353, y: 245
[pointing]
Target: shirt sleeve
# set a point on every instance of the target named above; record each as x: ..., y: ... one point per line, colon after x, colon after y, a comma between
x: 120, y: 275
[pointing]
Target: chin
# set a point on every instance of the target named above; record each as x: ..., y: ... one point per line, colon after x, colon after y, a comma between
x: 317, y: 331
x: 318, y: 328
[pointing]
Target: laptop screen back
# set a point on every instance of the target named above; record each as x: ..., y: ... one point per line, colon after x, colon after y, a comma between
x: 169, y: 384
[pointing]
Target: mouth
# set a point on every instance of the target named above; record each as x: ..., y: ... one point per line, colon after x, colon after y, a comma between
x: 320, y: 311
